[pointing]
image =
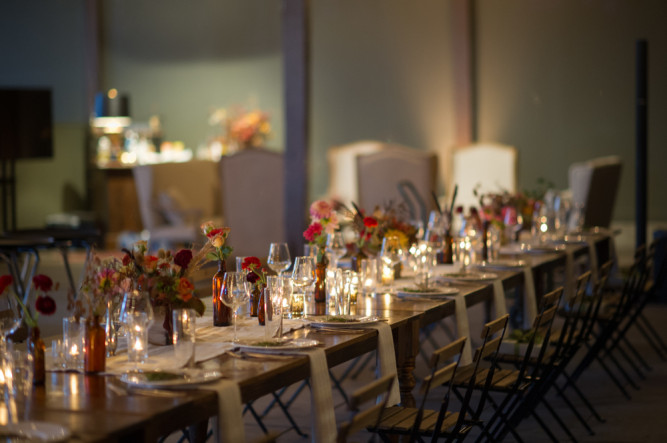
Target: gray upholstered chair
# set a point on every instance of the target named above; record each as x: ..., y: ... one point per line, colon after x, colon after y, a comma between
x: 252, y: 189
x: 594, y: 185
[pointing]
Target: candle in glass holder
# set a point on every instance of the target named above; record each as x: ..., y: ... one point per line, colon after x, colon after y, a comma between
x: 137, y: 342
x: 387, y: 273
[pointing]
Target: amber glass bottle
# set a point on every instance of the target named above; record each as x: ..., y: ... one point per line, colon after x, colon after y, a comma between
x: 37, y: 348
x: 222, y: 315
x: 94, y: 357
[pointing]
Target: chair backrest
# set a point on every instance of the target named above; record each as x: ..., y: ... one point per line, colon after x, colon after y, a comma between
x: 540, y: 335
x: 252, y: 189
x: 380, y: 174
x: 371, y: 416
x: 487, y: 167
x: 594, y: 185
x: 342, y: 162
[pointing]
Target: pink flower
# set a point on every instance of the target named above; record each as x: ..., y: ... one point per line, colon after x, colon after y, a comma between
x: 320, y: 209
x: 314, y: 230
x: 332, y: 225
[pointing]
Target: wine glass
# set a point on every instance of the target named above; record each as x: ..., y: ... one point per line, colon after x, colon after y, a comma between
x: 303, y: 275
x: 391, y: 252
x: 336, y: 247
x: 10, y: 316
x: 136, y: 314
x: 235, y: 292
x: 279, y: 259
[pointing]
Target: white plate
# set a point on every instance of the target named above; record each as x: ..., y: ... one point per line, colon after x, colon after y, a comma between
x: 278, y: 345
x: 471, y: 276
x: 501, y: 264
x: 341, y: 321
x: 169, y: 379
x: 439, y: 291
x: 37, y: 431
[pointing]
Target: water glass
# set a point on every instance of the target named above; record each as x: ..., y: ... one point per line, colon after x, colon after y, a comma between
x: 273, y: 303
x: 73, y: 334
x: 183, y: 336
x: 334, y: 288
x: 58, y: 354
x: 17, y: 377
x: 368, y: 275
x: 239, y: 264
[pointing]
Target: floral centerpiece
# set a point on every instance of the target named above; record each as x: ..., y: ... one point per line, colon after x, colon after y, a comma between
x: 256, y: 276
x: 166, y: 276
x: 243, y: 129
x: 323, y: 221
x: 217, y: 237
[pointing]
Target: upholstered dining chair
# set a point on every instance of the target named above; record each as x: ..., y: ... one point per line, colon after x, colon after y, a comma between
x: 252, y: 189
x: 594, y: 184
x: 386, y: 176
x: 174, y: 198
x: 487, y: 167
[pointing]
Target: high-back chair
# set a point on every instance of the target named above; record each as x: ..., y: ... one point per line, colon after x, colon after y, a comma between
x: 398, y: 175
x: 252, y: 189
x: 594, y: 185
x: 486, y: 167
x: 174, y: 198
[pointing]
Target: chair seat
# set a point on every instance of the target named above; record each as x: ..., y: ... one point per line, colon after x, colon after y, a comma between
x: 400, y: 420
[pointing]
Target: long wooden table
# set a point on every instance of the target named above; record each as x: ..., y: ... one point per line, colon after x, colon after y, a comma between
x: 94, y: 411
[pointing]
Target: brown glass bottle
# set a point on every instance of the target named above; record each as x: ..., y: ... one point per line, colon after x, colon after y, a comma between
x: 37, y: 348
x: 94, y: 358
x: 222, y: 315
x: 261, y: 309
x: 321, y: 280
x: 255, y: 296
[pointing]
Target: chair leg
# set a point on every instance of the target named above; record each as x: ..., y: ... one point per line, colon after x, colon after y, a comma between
x: 621, y: 369
x: 630, y: 361
x: 637, y: 355
x: 584, y: 399
x: 574, y: 410
x: 558, y: 419
x: 258, y: 419
x: 613, y: 378
x: 652, y: 338
x: 653, y: 332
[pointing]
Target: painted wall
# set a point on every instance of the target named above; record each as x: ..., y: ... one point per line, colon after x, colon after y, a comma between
x: 557, y: 80
x: 42, y: 45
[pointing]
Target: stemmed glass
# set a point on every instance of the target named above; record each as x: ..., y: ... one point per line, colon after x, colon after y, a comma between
x: 136, y: 314
x: 279, y: 259
x: 235, y: 291
x: 11, y: 316
x: 303, y: 275
x: 335, y: 247
x: 392, y: 253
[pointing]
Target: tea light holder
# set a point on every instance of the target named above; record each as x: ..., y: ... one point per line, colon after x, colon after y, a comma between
x: 73, y: 330
x: 137, y: 341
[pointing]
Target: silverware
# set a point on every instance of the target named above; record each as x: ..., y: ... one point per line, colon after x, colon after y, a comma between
x: 259, y: 356
x: 325, y: 330
x: 123, y: 391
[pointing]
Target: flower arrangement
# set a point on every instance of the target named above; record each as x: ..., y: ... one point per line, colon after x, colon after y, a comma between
x: 44, y: 304
x: 323, y: 221
x: 256, y: 273
x: 217, y: 238
x: 166, y: 276
x: 102, y: 282
x: 243, y: 128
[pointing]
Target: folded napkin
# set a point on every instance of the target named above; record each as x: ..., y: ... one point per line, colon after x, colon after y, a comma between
x: 499, y: 297
x: 386, y: 358
x: 228, y: 425
x: 323, y: 419
x: 463, y: 328
x: 529, y: 300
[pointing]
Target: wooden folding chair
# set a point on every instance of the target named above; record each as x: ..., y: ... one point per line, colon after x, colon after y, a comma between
x: 420, y: 423
x: 369, y: 417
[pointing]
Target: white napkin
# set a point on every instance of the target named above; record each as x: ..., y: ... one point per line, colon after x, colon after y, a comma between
x: 499, y: 297
x: 228, y: 425
x: 463, y: 328
x: 593, y: 260
x: 324, y: 419
x: 386, y: 359
x: 529, y: 299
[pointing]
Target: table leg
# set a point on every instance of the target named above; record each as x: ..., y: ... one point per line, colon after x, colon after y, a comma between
x: 407, y: 340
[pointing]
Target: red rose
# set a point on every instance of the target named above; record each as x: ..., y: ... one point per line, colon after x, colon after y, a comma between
x: 370, y: 222
x: 250, y: 263
x: 313, y: 231
x: 183, y: 258
x: 252, y: 277
x: 5, y: 280
x: 45, y: 304
x: 213, y: 232
x: 42, y: 282
x: 127, y: 259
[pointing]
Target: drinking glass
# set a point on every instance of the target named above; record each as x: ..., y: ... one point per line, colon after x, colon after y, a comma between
x: 335, y: 247
x: 334, y: 288
x: 273, y: 303
x: 73, y: 337
x: 279, y: 259
x: 136, y: 314
x: 11, y: 317
x: 239, y: 264
x: 368, y: 274
x: 184, y: 336
x: 235, y: 292
x: 17, y: 375
x: 303, y: 275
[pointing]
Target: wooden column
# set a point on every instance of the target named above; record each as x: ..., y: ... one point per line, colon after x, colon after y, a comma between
x: 464, y: 54
x: 296, y: 70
